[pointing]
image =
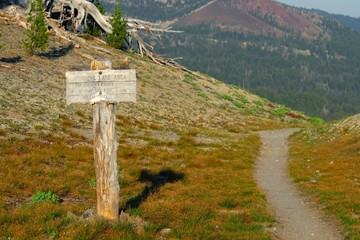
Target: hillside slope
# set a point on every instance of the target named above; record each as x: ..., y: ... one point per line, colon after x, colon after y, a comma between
x: 260, y: 17
x: 33, y: 88
x: 288, y: 55
x: 316, y: 75
x: 186, y: 149
x: 351, y: 22
x: 326, y: 162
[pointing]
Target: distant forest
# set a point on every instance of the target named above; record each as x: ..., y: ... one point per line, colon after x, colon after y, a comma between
x: 154, y: 10
x: 351, y: 22
x: 320, y: 78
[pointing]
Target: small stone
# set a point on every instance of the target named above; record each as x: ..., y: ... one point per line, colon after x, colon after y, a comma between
x: 88, y: 213
x: 165, y: 231
x: 136, y: 222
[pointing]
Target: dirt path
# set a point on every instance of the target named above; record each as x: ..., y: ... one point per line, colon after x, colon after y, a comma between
x: 296, y: 218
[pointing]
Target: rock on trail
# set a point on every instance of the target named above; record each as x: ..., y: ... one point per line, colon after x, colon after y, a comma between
x: 296, y: 217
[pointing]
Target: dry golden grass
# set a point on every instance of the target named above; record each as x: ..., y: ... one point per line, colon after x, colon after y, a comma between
x: 185, y: 157
x: 200, y: 190
x: 327, y: 165
x: 32, y: 96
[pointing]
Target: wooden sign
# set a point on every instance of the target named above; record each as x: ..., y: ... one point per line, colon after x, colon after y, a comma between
x: 102, y: 85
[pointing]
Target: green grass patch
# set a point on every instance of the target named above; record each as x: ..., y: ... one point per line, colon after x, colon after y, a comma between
x: 228, y: 203
x: 203, y: 94
x: 239, y: 105
x: 226, y: 97
x: 280, y: 112
x: 44, y: 197
x: 258, y: 103
x: 316, y: 120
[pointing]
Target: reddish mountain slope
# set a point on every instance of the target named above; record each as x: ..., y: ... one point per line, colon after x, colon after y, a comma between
x: 255, y: 16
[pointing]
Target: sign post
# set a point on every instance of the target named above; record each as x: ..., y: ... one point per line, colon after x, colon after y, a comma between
x: 103, y: 87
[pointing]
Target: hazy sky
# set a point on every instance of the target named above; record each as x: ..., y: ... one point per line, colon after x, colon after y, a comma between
x: 346, y: 7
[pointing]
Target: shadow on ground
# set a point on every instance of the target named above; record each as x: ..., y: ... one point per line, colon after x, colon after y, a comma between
x: 11, y: 59
x: 57, y: 52
x: 157, y: 181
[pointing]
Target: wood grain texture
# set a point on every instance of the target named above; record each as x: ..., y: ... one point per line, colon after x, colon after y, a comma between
x: 101, y: 85
x: 105, y: 154
x: 105, y: 160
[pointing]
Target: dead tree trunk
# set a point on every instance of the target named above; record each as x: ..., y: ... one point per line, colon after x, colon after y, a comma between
x: 105, y: 159
x: 68, y: 8
x: 105, y: 153
x: 83, y: 8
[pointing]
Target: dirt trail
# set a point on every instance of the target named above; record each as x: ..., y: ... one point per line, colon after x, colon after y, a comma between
x: 296, y: 217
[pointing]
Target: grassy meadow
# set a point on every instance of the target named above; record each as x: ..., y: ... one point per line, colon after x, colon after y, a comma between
x: 198, y: 183
x: 326, y: 164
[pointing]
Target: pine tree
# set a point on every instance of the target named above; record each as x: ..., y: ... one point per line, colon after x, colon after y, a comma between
x: 37, y: 37
x: 99, y: 7
x: 116, y: 38
x: 93, y: 28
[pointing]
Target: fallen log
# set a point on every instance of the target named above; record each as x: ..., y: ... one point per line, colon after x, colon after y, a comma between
x: 77, y: 12
x: 83, y: 8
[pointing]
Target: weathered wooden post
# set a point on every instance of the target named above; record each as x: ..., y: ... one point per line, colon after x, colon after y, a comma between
x: 103, y: 87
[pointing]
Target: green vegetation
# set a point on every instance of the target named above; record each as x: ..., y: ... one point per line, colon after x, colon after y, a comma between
x: 228, y: 203
x: 37, y: 36
x: 203, y: 94
x: 306, y: 82
x: 92, y: 182
x: 226, y: 97
x: 154, y: 10
x: 93, y: 28
x: 351, y: 22
x: 326, y: 165
x: 280, y: 112
x: 258, y: 103
x: 316, y: 120
x: 208, y: 183
x: 116, y: 38
x: 44, y: 197
x: 239, y: 105
x: 99, y: 6
x: 170, y: 174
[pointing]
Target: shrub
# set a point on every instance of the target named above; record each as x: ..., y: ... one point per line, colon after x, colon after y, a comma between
x: 228, y: 203
x: 225, y: 97
x: 258, y: 103
x: 116, y: 38
x: 92, y: 182
x: 280, y: 112
x: 44, y: 197
x: 99, y: 7
x: 239, y: 105
x: 37, y: 37
x: 93, y: 28
x: 316, y: 120
x: 189, y: 77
